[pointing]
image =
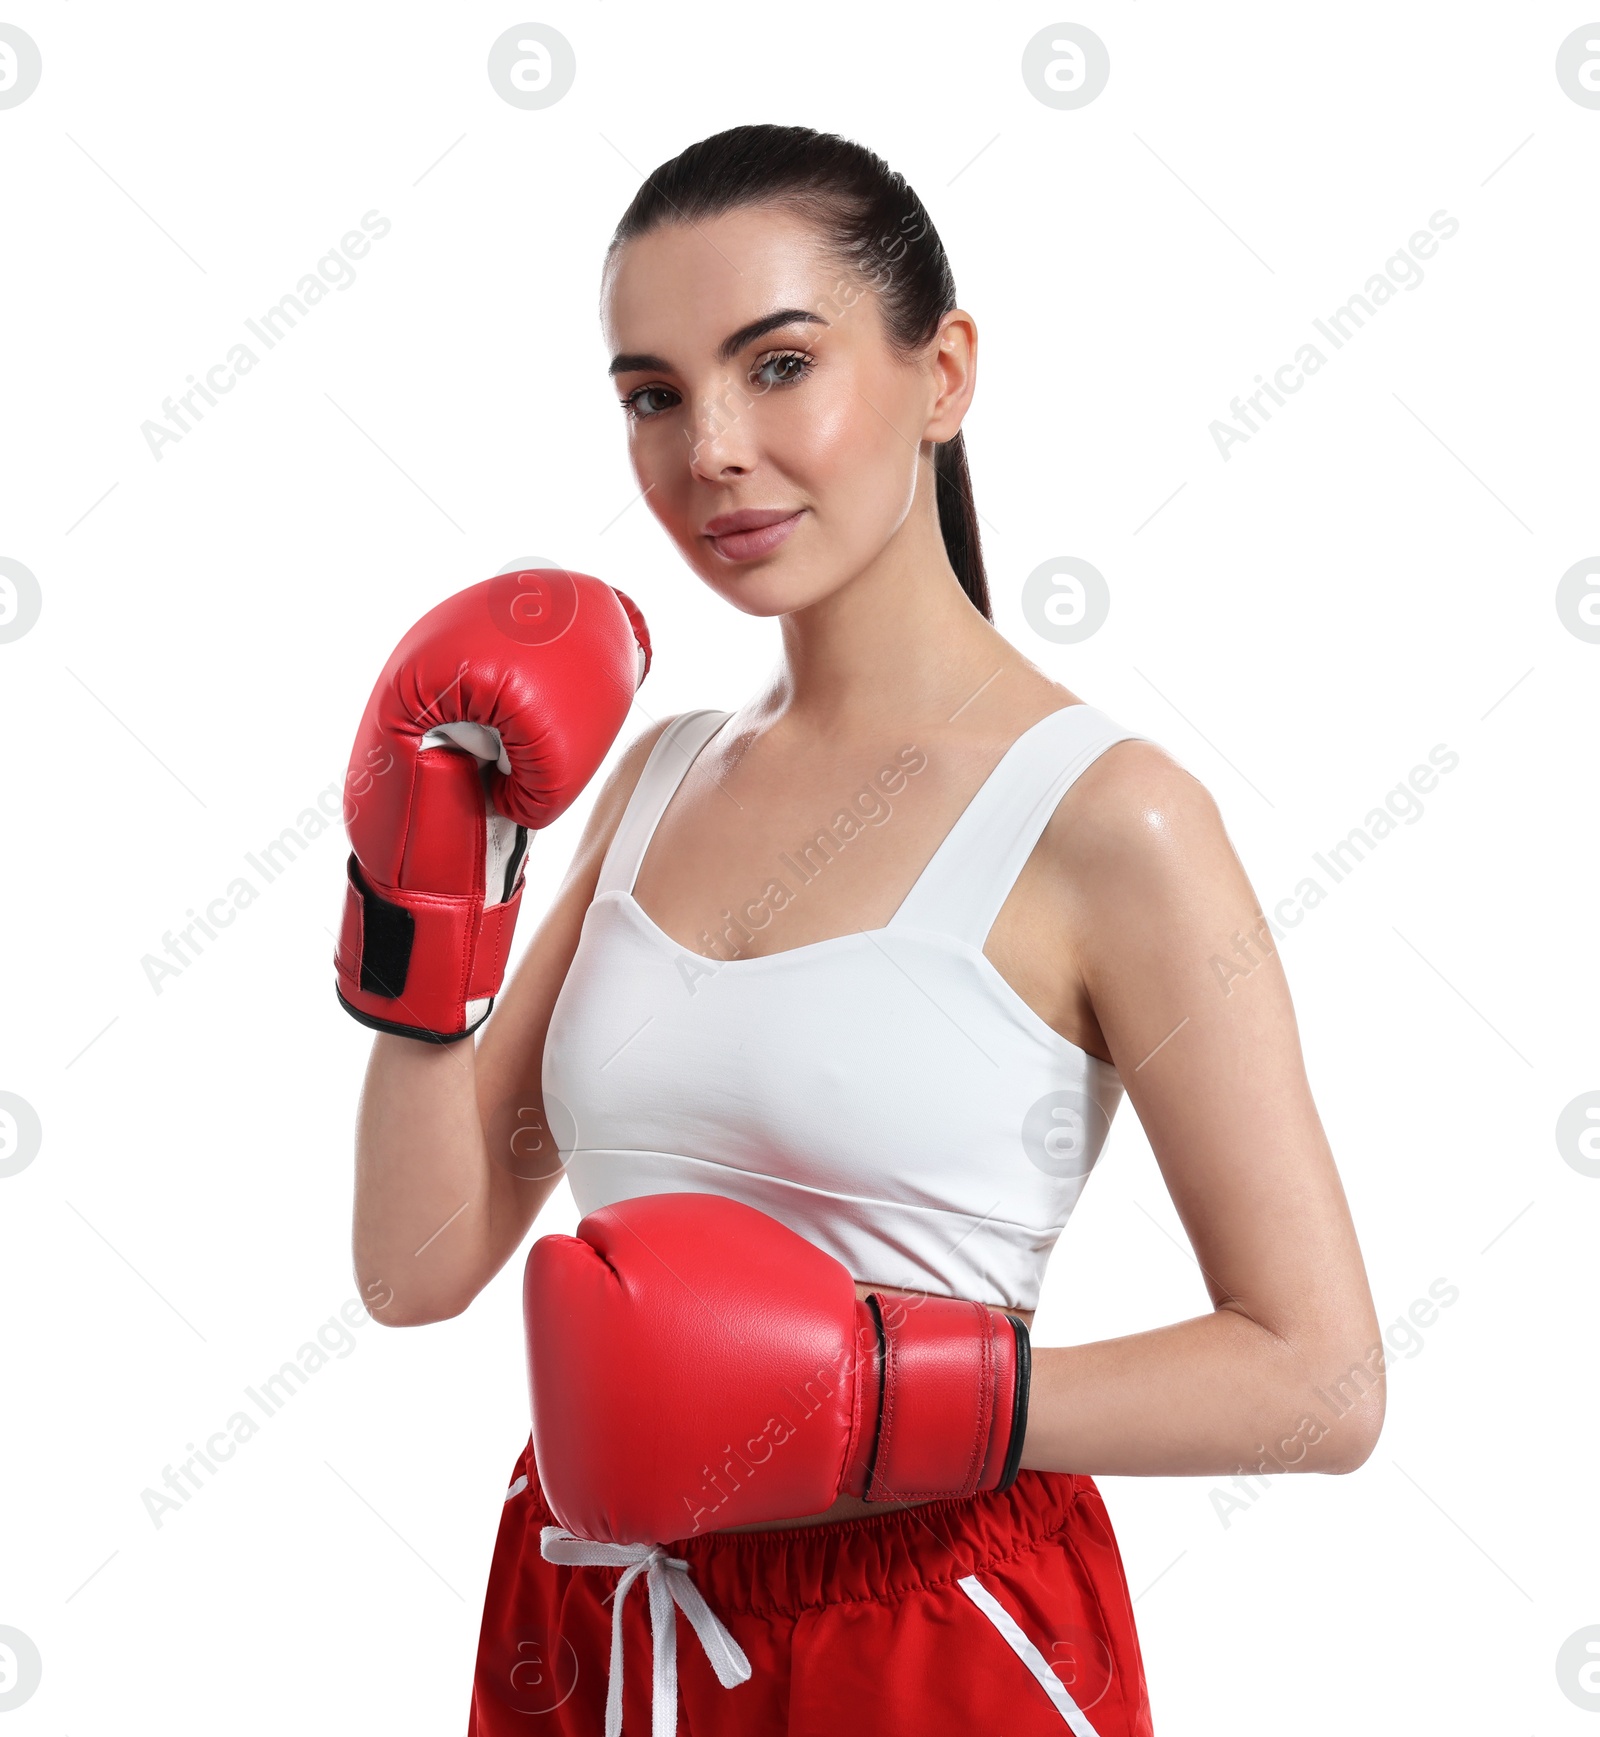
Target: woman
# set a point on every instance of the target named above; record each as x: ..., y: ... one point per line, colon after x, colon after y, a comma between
x: 877, y: 955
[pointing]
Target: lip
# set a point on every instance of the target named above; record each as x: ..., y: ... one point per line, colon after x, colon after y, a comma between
x: 751, y: 533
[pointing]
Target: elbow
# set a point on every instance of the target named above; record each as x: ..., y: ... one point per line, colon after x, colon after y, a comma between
x: 391, y: 1308
x: 1337, y: 1395
x: 1358, y: 1434
x: 420, y: 1315
x: 1356, y: 1397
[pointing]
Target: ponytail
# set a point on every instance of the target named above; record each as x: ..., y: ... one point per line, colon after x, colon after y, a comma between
x: 958, y: 522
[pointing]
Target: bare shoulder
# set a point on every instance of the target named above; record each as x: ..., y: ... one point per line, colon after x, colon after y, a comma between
x: 619, y: 784
x: 1134, y: 806
x: 631, y: 761
x: 1150, y: 884
x: 1133, y: 880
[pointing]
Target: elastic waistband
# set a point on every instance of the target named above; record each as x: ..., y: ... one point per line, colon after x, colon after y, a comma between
x: 873, y: 1560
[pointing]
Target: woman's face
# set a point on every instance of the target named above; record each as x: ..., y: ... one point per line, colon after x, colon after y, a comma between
x: 773, y: 431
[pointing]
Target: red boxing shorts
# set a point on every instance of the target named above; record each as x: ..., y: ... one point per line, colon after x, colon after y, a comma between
x: 997, y: 1612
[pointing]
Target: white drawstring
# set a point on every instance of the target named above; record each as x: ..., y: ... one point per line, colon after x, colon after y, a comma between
x: 667, y: 1578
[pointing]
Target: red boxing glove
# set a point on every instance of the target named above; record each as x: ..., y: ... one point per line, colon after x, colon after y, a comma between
x: 694, y: 1364
x: 490, y: 717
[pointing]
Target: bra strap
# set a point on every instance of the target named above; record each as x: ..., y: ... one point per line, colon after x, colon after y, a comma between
x: 663, y: 772
x: 972, y: 873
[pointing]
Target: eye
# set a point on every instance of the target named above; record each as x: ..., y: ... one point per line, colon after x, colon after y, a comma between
x: 636, y: 407
x: 789, y: 368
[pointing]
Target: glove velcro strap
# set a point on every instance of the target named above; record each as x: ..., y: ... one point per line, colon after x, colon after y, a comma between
x: 376, y: 937
x: 411, y: 962
x: 952, y: 1384
x: 866, y: 1409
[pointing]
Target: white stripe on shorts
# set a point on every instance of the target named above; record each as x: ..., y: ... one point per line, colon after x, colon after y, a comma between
x: 1072, y: 1714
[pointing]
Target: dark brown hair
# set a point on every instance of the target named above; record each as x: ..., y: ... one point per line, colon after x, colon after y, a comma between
x: 878, y: 228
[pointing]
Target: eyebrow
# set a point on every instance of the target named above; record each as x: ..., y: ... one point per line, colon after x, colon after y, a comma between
x: 728, y: 348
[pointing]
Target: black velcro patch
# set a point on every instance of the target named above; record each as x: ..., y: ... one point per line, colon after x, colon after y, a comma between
x: 387, y: 933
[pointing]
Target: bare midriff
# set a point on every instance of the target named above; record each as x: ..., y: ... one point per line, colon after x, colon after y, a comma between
x: 853, y: 1507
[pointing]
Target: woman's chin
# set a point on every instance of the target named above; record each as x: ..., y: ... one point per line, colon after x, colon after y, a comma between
x: 769, y: 588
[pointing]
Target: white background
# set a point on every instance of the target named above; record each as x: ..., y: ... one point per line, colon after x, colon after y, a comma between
x: 1372, y: 574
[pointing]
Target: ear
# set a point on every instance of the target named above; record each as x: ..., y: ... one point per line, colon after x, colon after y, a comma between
x: 953, y: 359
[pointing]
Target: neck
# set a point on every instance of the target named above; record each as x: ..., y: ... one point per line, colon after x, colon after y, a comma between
x: 900, y: 640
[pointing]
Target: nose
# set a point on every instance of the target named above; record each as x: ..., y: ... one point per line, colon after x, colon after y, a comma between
x: 721, y: 434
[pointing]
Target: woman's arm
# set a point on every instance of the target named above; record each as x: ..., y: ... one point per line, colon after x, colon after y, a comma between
x: 453, y: 1160
x: 1286, y: 1373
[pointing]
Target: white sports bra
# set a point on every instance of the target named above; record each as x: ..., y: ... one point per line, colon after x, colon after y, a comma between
x: 886, y: 1093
